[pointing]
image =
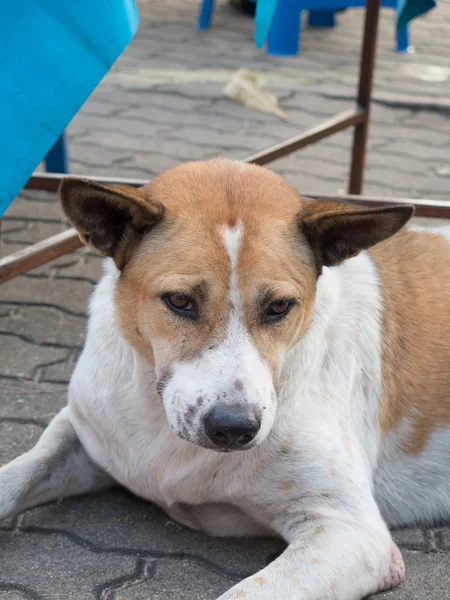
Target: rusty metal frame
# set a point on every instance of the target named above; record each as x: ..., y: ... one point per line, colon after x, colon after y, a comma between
x: 68, y: 241
x: 38, y: 254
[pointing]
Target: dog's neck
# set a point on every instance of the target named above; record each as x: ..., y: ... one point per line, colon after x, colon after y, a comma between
x: 338, y: 361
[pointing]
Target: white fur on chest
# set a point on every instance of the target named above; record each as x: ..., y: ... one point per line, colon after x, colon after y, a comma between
x: 121, y: 421
x: 328, y: 405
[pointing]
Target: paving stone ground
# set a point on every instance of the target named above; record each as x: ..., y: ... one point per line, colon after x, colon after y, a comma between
x: 163, y: 104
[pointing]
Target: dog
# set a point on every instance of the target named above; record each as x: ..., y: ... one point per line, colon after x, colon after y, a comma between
x: 259, y: 363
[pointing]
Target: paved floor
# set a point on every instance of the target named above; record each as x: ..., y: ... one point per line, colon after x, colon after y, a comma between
x: 162, y: 104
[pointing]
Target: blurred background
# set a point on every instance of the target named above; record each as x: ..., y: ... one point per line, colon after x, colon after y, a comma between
x: 163, y: 101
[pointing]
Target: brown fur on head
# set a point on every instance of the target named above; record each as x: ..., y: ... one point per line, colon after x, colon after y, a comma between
x: 238, y: 245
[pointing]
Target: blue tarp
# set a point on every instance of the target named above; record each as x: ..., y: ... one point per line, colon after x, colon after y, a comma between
x: 53, y: 53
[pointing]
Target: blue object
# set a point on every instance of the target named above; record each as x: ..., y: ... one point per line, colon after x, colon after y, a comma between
x: 407, y: 10
x: 278, y: 21
x: 285, y: 30
x: 56, y: 160
x: 53, y: 53
x: 326, y: 18
x: 402, y: 40
x: 322, y: 18
x: 282, y: 40
x: 264, y: 15
x: 205, y: 16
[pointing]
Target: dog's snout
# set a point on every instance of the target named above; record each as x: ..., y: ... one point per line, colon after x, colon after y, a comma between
x: 231, y: 427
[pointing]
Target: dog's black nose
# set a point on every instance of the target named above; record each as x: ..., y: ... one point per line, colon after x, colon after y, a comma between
x: 231, y: 427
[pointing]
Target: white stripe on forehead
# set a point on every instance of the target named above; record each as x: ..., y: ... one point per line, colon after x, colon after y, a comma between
x: 240, y: 164
x: 232, y: 239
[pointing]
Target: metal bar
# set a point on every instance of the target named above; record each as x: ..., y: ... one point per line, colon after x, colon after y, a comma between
x: 51, y: 181
x: 62, y: 243
x: 340, y: 122
x: 349, y: 118
x: 433, y: 209
x: 38, y: 254
x: 364, y: 96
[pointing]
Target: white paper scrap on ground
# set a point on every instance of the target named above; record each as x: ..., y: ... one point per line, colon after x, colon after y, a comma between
x: 252, y: 90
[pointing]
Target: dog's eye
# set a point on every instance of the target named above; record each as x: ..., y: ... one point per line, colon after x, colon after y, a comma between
x: 278, y: 309
x: 180, y: 303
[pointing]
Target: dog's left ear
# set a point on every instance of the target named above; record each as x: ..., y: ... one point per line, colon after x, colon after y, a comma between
x: 111, y: 219
x: 339, y: 231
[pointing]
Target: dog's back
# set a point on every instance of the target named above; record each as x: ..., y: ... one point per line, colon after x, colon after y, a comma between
x: 414, y: 269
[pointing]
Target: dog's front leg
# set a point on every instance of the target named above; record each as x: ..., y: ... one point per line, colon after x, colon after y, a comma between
x: 332, y: 555
x: 57, y: 467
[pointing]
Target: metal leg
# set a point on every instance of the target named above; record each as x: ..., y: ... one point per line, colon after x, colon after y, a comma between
x: 285, y: 30
x: 205, y: 16
x: 364, y: 96
x: 403, y: 40
x: 56, y: 160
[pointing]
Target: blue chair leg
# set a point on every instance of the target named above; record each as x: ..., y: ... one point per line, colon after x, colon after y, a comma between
x: 205, y: 16
x: 403, y: 40
x: 322, y: 18
x: 284, y: 33
x: 56, y: 160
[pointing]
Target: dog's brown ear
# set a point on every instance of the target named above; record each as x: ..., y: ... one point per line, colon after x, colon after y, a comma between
x: 111, y: 219
x: 339, y: 231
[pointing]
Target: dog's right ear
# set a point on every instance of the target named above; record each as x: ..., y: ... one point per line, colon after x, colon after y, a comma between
x: 111, y: 219
x: 337, y: 231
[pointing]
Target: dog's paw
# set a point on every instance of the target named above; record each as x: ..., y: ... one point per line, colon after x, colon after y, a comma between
x: 7, y: 500
x: 8, y: 495
x: 13, y: 488
x: 267, y: 586
x: 396, y: 572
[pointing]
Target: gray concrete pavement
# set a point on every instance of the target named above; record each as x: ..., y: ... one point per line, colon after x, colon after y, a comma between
x: 161, y: 104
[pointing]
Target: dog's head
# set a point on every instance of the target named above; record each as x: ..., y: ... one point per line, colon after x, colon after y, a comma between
x: 218, y: 267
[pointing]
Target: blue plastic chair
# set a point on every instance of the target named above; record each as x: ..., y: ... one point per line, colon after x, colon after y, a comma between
x: 285, y: 29
x: 53, y: 55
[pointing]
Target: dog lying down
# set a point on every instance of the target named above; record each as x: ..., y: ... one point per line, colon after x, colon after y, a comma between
x: 259, y: 363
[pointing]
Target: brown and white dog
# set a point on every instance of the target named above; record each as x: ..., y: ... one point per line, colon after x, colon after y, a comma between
x: 251, y: 368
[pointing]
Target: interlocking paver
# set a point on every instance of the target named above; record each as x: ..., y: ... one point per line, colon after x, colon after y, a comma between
x: 58, y: 372
x: 412, y: 539
x: 444, y: 537
x: 176, y: 580
x: 44, y: 325
x: 70, y: 298
x: 16, y: 439
x: 66, y: 570
x: 162, y: 104
x: 21, y: 358
x: 85, y: 266
x: 118, y: 520
x: 36, y: 230
x: 428, y: 576
x: 29, y: 401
